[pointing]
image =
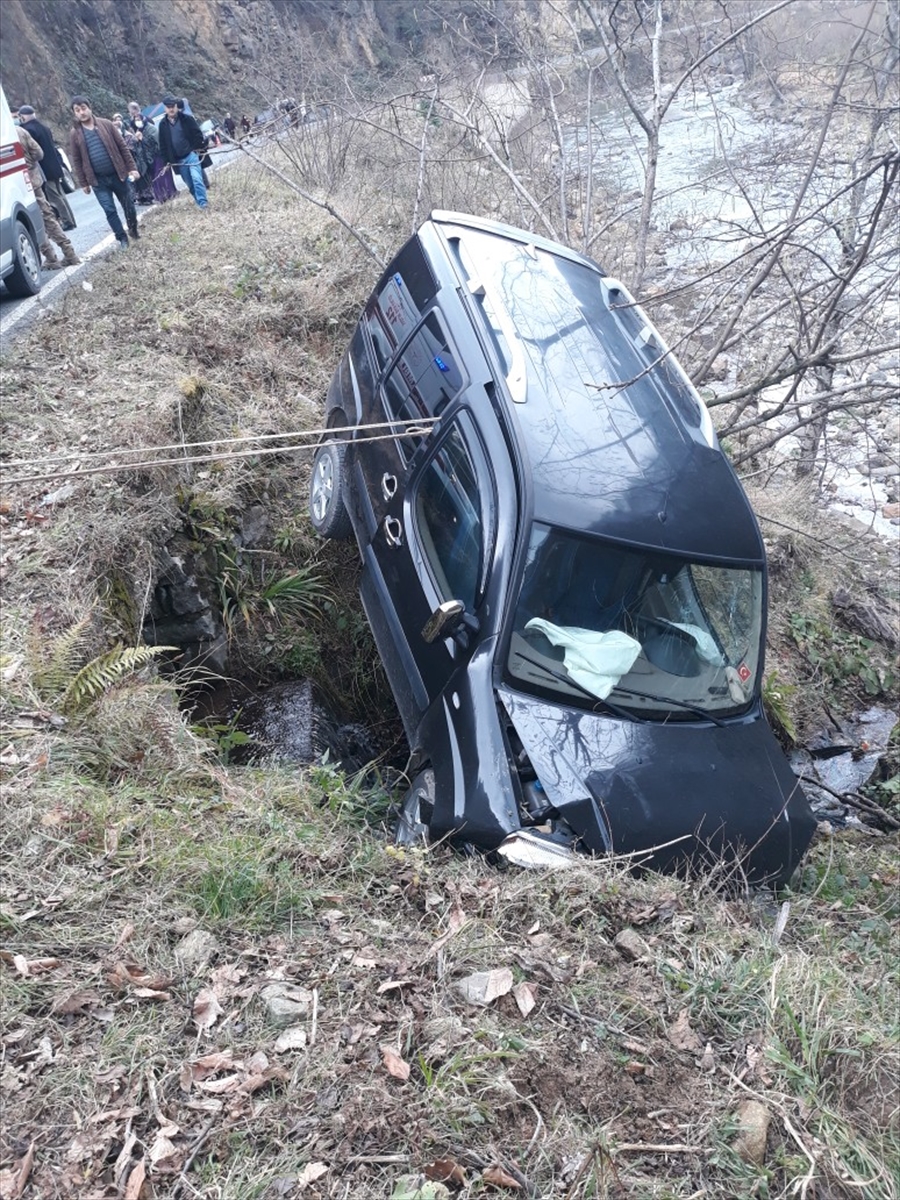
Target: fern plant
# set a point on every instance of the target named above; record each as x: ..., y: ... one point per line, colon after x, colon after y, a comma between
x: 55, y: 661
x: 99, y: 675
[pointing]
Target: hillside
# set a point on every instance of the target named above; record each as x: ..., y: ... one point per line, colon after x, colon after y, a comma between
x: 237, y: 54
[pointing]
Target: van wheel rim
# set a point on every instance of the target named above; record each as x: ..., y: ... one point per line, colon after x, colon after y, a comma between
x: 30, y: 261
x: 323, y: 487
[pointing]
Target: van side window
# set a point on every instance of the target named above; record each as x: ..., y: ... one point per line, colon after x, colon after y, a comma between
x: 424, y: 378
x: 382, y: 347
x: 449, y: 520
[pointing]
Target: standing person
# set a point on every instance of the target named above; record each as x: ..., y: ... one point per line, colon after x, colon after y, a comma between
x: 245, y: 124
x: 102, y: 161
x: 143, y: 151
x: 51, y: 164
x: 229, y: 126
x: 180, y: 137
x: 52, y: 229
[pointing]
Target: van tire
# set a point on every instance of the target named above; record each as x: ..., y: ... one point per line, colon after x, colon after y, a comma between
x: 25, y: 277
x: 327, y: 488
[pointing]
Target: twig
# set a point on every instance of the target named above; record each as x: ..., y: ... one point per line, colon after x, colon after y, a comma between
x: 195, y: 1148
x: 855, y: 800
x: 657, y: 1148
x: 810, y: 536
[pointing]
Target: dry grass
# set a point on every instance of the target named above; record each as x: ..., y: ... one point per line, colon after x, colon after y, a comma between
x: 125, y: 1056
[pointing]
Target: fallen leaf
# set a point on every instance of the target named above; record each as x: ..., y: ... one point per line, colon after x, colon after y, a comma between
x: 393, y: 985
x: 259, y: 1079
x: 500, y: 1178
x: 14, y: 1180
x: 681, y: 1035
x: 146, y: 993
x: 524, y: 994
x: 257, y: 1062
x: 394, y: 1063
x: 37, y: 966
x: 310, y: 1173
x: 162, y: 1151
x: 128, y: 975
x: 219, y: 1086
x: 210, y: 1064
x: 417, y: 1187
x: 485, y: 986
x: 225, y: 977
x: 445, y: 1170
x: 74, y: 1002
x: 206, y: 1009
x: 125, y: 936
x: 136, y: 1182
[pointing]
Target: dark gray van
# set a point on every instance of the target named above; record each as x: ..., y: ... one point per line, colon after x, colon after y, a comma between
x: 563, y: 575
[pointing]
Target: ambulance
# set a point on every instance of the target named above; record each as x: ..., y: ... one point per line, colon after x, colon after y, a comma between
x: 21, y: 223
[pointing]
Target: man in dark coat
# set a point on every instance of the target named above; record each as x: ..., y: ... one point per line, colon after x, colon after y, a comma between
x: 51, y: 165
x: 180, y: 137
x: 102, y: 161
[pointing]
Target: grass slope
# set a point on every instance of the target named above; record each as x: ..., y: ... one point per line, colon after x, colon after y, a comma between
x: 223, y: 982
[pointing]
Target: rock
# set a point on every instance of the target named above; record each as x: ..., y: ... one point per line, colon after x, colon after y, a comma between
x: 865, y: 618
x: 195, y: 950
x: 293, y: 1038
x: 254, y: 524
x: 631, y: 945
x: 285, y: 1003
x: 753, y: 1121
x: 890, y: 511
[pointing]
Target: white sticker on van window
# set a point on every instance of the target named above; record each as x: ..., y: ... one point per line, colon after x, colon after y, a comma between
x: 397, y: 308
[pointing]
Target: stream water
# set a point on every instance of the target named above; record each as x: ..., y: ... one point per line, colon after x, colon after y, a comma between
x: 728, y: 173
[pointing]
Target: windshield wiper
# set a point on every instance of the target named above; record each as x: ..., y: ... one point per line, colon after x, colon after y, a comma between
x: 700, y: 712
x: 623, y: 713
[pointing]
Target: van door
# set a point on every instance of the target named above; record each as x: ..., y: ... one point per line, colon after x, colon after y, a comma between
x: 433, y: 544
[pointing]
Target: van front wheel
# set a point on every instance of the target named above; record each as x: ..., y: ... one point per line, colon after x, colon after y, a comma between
x: 25, y: 277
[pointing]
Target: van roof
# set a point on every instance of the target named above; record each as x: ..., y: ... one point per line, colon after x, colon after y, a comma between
x: 617, y: 440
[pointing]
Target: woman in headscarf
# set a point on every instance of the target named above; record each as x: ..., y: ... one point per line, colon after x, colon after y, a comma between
x: 156, y: 184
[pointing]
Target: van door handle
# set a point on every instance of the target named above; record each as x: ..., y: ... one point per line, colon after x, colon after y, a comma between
x: 388, y: 486
x: 393, y: 531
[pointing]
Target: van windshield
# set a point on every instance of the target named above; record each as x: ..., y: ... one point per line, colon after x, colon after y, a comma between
x: 662, y: 636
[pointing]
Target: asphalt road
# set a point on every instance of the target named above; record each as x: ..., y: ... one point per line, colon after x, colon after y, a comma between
x: 92, y: 239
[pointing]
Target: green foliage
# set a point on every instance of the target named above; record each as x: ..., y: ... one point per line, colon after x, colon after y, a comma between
x: 99, y: 675
x: 230, y: 889
x: 777, y: 697
x: 224, y: 735
x: 842, y: 658
x: 299, y: 592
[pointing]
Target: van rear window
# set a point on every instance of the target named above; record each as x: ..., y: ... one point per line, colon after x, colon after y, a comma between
x: 405, y: 293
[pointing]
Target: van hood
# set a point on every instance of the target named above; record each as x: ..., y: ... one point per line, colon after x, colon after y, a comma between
x: 681, y: 792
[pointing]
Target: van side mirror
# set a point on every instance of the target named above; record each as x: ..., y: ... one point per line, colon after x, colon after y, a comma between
x: 450, y: 619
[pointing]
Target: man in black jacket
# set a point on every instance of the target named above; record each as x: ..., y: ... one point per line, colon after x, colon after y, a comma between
x: 180, y: 137
x: 51, y: 165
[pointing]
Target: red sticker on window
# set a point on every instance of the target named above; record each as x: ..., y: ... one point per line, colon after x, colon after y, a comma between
x: 743, y: 672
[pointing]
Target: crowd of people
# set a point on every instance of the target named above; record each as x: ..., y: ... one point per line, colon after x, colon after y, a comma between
x: 128, y: 159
